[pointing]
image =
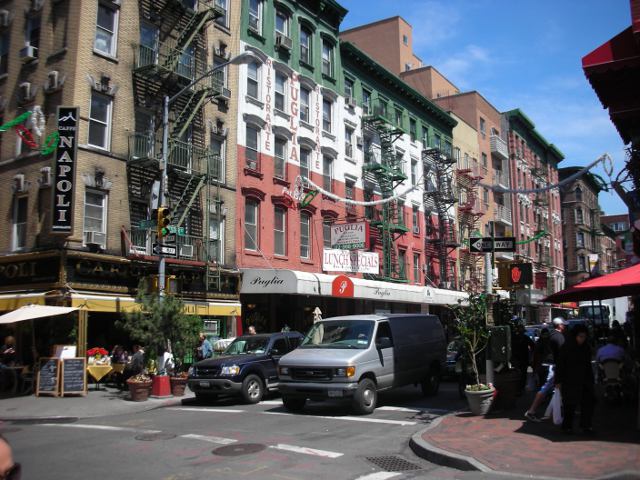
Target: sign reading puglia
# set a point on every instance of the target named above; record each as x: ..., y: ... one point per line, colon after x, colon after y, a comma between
x: 350, y: 236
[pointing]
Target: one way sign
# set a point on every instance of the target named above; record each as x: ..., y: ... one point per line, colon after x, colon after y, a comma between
x: 488, y: 244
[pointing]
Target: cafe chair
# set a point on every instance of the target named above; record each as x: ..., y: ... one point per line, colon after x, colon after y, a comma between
x: 27, y: 381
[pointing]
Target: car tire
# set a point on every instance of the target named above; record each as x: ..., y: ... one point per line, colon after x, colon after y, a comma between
x: 365, y: 398
x: 252, y: 389
x: 294, y: 404
x: 205, y: 397
x: 431, y: 384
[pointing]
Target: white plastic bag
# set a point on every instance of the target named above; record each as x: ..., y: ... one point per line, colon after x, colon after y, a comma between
x: 556, y: 407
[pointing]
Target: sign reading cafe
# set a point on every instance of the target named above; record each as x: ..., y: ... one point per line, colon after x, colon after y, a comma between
x: 65, y: 168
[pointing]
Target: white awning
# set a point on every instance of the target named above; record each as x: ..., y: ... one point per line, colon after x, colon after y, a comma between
x: 29, y: 312
x: 293, y: 282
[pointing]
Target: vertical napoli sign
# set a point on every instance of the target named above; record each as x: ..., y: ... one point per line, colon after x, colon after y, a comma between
x: 65, y: 169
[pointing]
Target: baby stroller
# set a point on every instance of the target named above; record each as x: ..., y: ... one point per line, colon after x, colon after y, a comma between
x: 612, y: 381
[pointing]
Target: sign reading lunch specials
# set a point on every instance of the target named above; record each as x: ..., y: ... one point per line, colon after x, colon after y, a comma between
x: 65, y: 169
x: 350, y: 261
x: 350, y: 236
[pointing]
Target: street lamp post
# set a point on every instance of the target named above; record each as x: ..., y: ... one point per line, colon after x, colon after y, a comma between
x: 244, y: 57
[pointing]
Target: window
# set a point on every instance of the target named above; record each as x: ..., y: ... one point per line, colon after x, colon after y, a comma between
x: 220, y: 75
x: 217, y: 161
x: 327, y: 172
x: 255, y: 15
x: 414, y: 172
x: 407, y: 67
x: 326, y: 115
x: 366, y: 101
x: 253, y: 136
x: 384, y: 330
x: 578, y: 193
x: 216, y: 237
x: 580, y: 239
x: 305, y: 95
x: 60, y: 23
x: 484, y: 161
x: 20, y: 209
x: 253, y: 72
x: 416, y: 267
x: 405, y: 40
x: 281, y: 88
x: 436, y: 141
x: 579, y: 216
x: 106, y: 39
x: 282, y: 23
x: 348, y: 142
x: 305, y: 235
x: 483, y: 127
x: 582, y: 263
x: 382, y: 106
x: 349, y: 88
x: 398, y: 112
x: 224, y: 18
x: 305, y: 157
x: 4, y: 53
x: 413, y: 129
x: 280, y: 162
x: 327, y: 58
x: 485, y: 195
x: 280, y: 231
x: 305, y: 45
x: 32, y: 33
x: 95, y: 215
x: 148, y: 44
x: 100, y: 121
x: 326, y: 232
x: 415, y: 218
x: 251, y: 225
x: 402, y: 260
x: 350, y: 188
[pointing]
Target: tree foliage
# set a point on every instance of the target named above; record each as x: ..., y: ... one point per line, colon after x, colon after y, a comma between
x: 471, y: 323
x: 159, y: 320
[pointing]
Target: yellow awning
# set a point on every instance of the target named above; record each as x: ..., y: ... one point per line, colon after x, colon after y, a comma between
x: 12, y: 301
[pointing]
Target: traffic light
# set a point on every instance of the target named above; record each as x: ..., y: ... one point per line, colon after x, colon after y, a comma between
x: 164, y: 219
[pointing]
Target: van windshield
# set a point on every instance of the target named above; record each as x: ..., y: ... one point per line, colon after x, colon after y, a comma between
x: 339, y: 334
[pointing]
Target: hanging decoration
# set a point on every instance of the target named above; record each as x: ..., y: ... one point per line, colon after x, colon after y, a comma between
x: 37, y: 122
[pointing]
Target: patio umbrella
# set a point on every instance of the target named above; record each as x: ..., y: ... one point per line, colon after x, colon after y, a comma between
x: 29, y: 312
x: 622, y: 283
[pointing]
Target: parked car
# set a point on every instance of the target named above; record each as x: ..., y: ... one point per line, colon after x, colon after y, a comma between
x: 248, y: 367
x: 355, y: 357
x: 533, y: 331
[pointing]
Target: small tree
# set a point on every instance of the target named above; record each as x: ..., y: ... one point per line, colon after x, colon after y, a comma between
x: 159, y: 321
x: 471, y: 323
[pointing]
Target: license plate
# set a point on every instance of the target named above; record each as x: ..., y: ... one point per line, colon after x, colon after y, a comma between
x: 205, y: 384
x: 335, y: 393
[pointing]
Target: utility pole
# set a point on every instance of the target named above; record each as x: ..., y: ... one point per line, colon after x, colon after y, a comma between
x: 489, y: 261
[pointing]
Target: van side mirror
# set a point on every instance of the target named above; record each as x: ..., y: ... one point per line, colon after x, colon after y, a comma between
x: 383, y: 342
x: 274, y: 352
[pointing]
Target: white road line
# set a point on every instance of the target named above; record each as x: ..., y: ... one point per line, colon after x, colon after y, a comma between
x: 215, y: 410
x: 271, y: 402
x: 98, y: 427
x: 306, y: 450
x: 402, y: 423
x: 399, y: 409
x: 207, y: 438
x: 379, y: 476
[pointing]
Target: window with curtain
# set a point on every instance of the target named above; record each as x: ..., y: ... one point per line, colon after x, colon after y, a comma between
x: 305, y: 235
x: 251, y: 224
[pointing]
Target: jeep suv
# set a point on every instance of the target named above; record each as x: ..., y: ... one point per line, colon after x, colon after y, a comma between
x: 248, y: 367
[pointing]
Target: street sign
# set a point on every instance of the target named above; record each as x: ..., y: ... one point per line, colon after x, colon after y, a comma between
x: 488, y: 244
x: 177, y: 230
x: 164, y: 249
x: 169, y: 239
x: 148, y: 223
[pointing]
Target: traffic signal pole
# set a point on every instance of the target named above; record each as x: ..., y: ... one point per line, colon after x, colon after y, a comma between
x: 163, y: 190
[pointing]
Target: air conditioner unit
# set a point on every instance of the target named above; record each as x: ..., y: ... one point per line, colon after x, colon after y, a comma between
x: 28, y: 54
x: 35, y: 6
x: 224, y: 95
x: 220, y: 131
x: 5, y: 18
x: 45, y: 177
x: 351, y: 102
x: 26, y: 92
x: 95, y: 238
x: 54, y: 82
x: 284, y: 42
x: 222, y: 53
x: 186, y: 251
x: 19, y: 183
x: 359, y: 142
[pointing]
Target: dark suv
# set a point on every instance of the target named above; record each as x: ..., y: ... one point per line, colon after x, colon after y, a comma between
x: 248, y: 367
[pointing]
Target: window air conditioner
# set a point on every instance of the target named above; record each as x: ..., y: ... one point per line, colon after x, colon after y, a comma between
x: 222, y: 53
x: 26, y: 92
x: 95, y: 238
x: 283, y: 42
x: 224, y: 95
x: 45, y: 177
x: 54, y: 81
x: 28, y: 54
x: 5, y: 18
x: 19, y: 184
x: 351, y: 102
x: 186, y: 251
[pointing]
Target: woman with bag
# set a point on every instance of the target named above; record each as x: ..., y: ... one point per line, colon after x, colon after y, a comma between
x: 574, y: 377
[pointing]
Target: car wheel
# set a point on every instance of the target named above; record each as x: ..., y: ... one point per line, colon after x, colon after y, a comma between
x: 294, y: 404
x: 206, y: 397
x: 431, y: 384
x: 366, y: 397
x: 252, y: 389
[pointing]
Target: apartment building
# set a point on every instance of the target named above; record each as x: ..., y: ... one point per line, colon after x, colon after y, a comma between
x: 620, y: 226
x: 115, y: 61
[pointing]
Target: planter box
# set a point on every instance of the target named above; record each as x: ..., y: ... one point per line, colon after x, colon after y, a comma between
x: 178, y: 385
x: 139, y: 390
x: 480, y: 402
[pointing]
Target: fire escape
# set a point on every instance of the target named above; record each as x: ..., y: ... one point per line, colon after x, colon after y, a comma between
x: 468, y: 217
x: 439, y: 198
x: 542, y: 259
x: 387, y: 220
x: 171, y: 54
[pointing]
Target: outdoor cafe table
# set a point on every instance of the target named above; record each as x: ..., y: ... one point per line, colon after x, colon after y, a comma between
x: 98, y: 372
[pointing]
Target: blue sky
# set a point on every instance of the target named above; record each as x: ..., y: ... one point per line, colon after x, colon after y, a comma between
x: 521, y: 54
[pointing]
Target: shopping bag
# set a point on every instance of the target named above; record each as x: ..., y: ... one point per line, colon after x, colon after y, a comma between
x: 556, y: 407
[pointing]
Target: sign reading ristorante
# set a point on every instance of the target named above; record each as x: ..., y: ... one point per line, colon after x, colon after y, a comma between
x: 65, y: 169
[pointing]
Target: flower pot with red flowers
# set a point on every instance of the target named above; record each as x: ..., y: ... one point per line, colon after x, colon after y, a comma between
x: 179, y: 383
x: 140, y: 387
x: 98, y: 356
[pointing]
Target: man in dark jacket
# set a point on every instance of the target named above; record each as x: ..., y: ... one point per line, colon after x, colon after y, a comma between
x: 574, y: 377
x: 522, y: 349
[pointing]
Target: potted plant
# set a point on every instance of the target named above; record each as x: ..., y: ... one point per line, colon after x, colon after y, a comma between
x: 139, y: 387
x: 471, y: 323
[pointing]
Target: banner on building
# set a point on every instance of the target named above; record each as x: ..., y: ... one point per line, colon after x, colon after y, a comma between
x: 350, y: 261
x: 65, y: 171
x: 350, y: 236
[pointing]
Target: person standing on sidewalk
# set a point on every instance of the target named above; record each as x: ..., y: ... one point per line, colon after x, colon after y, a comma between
x: 556, y: 341
x: 574, y: 377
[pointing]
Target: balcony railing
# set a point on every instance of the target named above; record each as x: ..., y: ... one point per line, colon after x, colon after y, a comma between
x: 142, y: 146
x: 188, y: 247
x: 501, y: 178
x: 502, y: 214
x: 499, y: 147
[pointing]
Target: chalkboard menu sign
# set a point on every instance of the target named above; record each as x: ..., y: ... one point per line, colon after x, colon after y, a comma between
x: 74, y: 376
x: 48, y: 377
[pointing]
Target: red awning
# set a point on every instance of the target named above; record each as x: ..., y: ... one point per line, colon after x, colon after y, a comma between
x: 618, y: 284
x: 619, y: 52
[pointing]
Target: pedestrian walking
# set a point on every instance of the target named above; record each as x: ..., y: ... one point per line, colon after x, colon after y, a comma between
x: 522, y: 350
x: 574, y: 377
x: 9, y: 470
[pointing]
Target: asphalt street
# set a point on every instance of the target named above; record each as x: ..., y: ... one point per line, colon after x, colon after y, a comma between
x: 231, y: 440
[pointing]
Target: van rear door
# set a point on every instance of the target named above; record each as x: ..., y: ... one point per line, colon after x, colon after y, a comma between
x: 384, y: 348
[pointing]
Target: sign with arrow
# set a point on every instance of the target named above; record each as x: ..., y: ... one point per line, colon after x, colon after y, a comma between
x: 488, y: 244
x: 164, y: 250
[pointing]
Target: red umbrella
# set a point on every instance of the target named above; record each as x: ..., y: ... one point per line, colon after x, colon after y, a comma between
x: 622, y: 283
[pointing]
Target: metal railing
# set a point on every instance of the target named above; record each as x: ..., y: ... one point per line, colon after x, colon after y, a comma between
x: 188, y: 247
x: 142, y: 146
x: 499, y: 147
x: 502, y: 213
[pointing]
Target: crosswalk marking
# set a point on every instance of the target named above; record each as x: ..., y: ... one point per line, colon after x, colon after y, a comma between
x: 203, y: 409
x: 98, y: 427
x: 210, y: 439
x: 379, y: 476
x: 403, y: 423
x: 306, y: 450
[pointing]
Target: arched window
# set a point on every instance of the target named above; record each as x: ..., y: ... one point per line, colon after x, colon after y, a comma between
x: 578, y: 193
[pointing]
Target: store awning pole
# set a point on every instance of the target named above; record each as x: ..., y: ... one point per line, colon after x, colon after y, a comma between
x: 83, y: 315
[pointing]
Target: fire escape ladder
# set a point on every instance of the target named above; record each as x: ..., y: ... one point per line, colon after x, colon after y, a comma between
x: 188, y: 197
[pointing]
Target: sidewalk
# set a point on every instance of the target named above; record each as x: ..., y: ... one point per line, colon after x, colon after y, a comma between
x: 104, y: 402
x: 505, y: 443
